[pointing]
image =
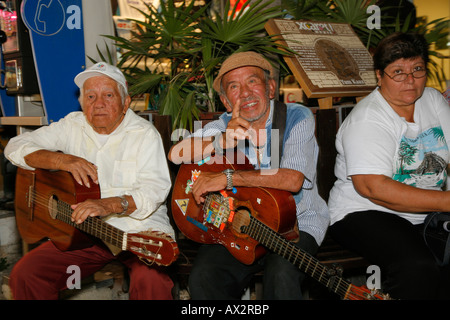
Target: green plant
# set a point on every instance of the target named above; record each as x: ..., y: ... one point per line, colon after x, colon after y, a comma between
x: 175, y: 53
x: 435, y: 32
x: 305, y: 9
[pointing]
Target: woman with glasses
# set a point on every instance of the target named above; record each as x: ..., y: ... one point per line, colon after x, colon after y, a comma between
x: 391, y: 171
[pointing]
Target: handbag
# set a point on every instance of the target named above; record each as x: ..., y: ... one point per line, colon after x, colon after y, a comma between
x: 436, y: 233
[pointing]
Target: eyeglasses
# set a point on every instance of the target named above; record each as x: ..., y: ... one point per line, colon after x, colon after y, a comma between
x: 399, y: 77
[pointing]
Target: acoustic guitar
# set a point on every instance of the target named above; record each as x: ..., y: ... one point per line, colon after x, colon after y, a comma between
x: 249, y: 220
x: 42, y: 204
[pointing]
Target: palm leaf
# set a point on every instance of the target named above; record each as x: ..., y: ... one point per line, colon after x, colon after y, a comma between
x: 176, y: 51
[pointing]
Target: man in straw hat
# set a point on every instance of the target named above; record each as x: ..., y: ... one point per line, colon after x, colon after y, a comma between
x: 247, y: 90
x: 121, y: 152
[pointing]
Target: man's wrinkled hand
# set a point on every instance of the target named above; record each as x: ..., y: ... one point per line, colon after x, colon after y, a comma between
x: 90, y: 208
x: 80, y: 168
x: 208, y: 182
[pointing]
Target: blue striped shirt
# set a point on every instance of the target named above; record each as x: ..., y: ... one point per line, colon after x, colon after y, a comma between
x: 299, y: 152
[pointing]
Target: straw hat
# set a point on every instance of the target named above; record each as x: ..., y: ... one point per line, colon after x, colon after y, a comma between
x: 242, y: 59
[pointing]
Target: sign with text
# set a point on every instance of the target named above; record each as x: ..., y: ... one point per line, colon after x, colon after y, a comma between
x: 57, y: 37
x: 331, y: 60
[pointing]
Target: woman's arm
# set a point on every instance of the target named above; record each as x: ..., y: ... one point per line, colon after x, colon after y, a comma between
x: 398, y: 196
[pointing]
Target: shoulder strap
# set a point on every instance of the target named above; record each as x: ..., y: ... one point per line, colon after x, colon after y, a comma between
x: 279, y: 122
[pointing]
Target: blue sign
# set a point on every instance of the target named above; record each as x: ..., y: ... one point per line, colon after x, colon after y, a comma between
x: 8, y: 103
x: 57, y: 39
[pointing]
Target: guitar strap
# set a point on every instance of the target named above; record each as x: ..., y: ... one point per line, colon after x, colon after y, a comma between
x: 279, y: 122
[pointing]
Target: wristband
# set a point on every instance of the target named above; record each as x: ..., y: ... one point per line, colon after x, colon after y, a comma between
x: 124, y: 203
x: 229, y: 174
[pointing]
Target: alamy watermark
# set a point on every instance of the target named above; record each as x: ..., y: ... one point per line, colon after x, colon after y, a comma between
x: 373, y: 281
x: 374, y: 21
x: 74, y: 280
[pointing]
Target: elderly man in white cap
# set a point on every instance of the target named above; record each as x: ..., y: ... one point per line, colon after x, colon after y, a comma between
x: 121, y: 152
x: 247, y: 90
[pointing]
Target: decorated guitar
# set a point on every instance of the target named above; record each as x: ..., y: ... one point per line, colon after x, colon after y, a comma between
x: 249, y: 220
x: 42, y: 204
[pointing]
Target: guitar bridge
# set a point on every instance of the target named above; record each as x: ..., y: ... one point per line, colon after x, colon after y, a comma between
x: 30, y: 196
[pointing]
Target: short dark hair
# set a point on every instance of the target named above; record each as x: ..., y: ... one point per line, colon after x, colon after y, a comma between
x: 400, y: 45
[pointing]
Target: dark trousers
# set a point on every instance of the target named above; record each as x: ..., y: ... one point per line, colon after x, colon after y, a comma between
x: 408, y: 268
x: 216, y: 274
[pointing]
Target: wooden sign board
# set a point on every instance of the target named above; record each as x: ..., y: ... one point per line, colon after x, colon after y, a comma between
x: 331, y: 61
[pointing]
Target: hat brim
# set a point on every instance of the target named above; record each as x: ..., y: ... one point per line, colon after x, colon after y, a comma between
x: 239, y: 60
x: 81, y: 78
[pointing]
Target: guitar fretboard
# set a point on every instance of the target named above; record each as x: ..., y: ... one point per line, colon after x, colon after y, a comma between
x: 304, y: 261
x: 92, y: 225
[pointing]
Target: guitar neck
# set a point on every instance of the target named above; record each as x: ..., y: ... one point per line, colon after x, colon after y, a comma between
x: 92, y: 225
x: 304, y: 261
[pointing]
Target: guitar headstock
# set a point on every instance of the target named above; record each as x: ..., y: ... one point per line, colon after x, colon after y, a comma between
x: 364, y: 293
x: 153, y: 247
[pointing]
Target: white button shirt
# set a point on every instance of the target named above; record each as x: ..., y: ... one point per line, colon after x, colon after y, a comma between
x: 131, y: 161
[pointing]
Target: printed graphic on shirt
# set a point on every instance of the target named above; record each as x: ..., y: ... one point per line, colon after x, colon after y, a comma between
x: 421, y: 161
x: 447, y: 95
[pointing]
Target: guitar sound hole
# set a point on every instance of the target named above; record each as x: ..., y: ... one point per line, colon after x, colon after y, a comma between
x: 52, y: 206
x: 241, y: 220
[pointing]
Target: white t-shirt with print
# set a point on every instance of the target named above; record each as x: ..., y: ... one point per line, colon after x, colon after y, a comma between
x: 374, y: 139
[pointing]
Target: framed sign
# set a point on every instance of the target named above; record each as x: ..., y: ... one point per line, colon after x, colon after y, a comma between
x: 331, y: 60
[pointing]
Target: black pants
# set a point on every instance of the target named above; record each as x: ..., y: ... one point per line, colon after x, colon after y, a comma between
x: 408, y: 268
x: 216, y: 274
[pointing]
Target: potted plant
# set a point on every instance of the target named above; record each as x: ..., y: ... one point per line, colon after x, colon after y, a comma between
x: 176, y: 51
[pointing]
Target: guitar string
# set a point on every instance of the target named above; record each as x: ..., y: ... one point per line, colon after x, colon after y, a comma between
x: 320, y: 272
x: 260, y: 236
x: 349, y: 291
x: 344, y: 292
x: 269, y: 235
x: 64, y: 213
x: 304, y: 262
x: 341, y: 287
x: 110, y: 234
x: 265, y: 237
